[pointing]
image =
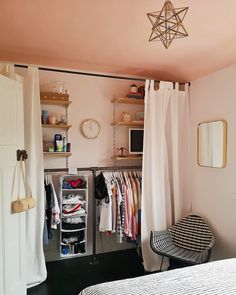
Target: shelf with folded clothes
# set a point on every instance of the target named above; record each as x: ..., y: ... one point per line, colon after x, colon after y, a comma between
x: 81, y: 242
x: 76, y: 219
x: 82, y: 203
x: 73, y: 237
x: 74, y: 189
x: 72, y: 230
x: 74, y: 208
x: 73, y: 182
x: 73, y: 242
x: 75, y: 249
x: 80, y: 215
x: 71, y: 255
x: 75, y: 199
x: 70, y: 224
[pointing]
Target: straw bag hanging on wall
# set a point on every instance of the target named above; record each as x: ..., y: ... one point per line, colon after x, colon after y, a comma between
x: 22, y: 204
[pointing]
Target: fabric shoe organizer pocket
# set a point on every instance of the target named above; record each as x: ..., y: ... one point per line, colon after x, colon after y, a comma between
x: 73, y: 237
x: 69, y: 226
x: 74, y: 183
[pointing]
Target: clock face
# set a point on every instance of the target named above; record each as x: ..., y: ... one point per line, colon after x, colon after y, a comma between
x: 90, y: 128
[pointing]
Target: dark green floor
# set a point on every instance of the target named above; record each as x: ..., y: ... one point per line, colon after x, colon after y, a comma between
x: 70, y: 276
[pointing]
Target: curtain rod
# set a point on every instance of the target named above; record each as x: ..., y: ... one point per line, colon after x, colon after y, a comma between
x: 84, y: 73
x: 94, y: 168
x: 90, y: 74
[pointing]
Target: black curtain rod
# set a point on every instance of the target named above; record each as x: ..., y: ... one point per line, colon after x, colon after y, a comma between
x: 89, y: 74
x: 84, y: 73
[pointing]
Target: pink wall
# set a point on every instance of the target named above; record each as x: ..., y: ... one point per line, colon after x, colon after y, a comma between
x: 91, y: 98
x: 213, y: 191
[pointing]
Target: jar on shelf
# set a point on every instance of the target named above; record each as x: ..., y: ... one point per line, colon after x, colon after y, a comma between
x: 52, y: 120
x: 133, y: 88
x: 126, y: 117
x: 44, y: 116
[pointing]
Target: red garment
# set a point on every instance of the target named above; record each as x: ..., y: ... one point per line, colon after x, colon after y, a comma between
x: 75, y: 183
x: 114, y: 203
x: 73, y: 209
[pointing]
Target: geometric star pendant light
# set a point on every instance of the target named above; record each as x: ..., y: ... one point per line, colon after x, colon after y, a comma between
x: 167, y: 24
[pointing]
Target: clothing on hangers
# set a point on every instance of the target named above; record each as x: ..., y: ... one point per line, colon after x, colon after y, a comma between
x: 100, y: 188
x: 121, y: 214
x: 105, y: 224
x: 52, y: 209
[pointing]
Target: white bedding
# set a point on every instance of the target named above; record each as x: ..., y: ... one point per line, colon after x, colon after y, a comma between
x: 213, y: 278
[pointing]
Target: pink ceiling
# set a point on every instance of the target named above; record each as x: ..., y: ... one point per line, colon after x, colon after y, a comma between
x: 112, y: 36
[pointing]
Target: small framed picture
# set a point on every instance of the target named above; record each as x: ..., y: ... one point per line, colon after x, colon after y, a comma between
x: 139, y: 116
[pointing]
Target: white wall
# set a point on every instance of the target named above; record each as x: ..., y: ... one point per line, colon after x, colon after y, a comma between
x: 213, y: 191
x: 91, y: 98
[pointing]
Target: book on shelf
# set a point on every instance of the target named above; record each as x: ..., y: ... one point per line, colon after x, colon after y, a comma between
x: 134, y: 95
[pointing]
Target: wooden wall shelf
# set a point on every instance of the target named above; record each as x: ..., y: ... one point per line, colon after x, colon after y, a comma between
x: 131, y: 123
x: 134, y: 123
x: 54, y: 96
x: 56, y: 126
x: 128, y: 100
x: 118, y: 158
x: 57, y: 154
x: 55, y: 102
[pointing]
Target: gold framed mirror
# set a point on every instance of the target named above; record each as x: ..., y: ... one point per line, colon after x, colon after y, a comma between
x: 212, y: 145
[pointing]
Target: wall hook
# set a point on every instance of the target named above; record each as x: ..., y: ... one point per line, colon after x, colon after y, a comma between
x: 21, y: 155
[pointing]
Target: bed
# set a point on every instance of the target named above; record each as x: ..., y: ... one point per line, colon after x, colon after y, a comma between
x: 213, y: 278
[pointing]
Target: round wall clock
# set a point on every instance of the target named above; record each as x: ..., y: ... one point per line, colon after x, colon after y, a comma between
x: 90, y: 128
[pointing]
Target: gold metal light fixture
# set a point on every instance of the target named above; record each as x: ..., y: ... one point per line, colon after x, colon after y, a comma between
x: 167, y: 24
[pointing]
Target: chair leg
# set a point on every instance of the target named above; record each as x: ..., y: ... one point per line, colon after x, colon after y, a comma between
x: 161, y: 262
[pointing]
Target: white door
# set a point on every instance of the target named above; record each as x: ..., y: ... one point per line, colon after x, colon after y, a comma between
x: 12, y: 226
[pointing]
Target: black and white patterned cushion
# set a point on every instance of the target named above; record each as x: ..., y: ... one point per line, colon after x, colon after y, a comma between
x: 191, y: 233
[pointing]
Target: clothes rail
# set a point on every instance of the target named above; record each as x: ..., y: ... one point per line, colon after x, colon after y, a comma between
x: 105, y: 168
x: 93, y: 74
x: 94, y: 170
x: 64, y: 169
x: 84, y: 73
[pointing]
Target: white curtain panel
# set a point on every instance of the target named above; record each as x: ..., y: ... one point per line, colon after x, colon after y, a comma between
x: 165, y: 189
x: 36, y: 268
x: 8, y: 70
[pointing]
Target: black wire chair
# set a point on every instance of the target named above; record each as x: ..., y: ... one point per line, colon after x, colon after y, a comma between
x: 190, y: 241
